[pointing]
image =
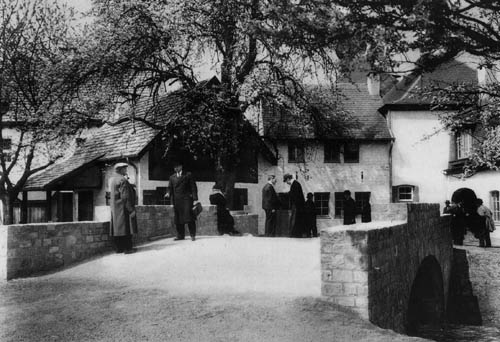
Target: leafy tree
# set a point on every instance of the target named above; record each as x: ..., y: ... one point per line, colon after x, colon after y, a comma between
x: 40, y: 84
x: 261, y: 50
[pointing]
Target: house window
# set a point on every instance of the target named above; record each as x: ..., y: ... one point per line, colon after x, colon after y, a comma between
x: 464, y: 144
x: 240, y: 199
x: 108, y: 197
x: 361, y: 198
x: 339, y: 203
x: 6, y: 145
x: 296, y: 153
x: 351, y: 152
x: 332, y: 152
x: 321, y: 200
x: 405, y: 193
x: 495, y: 205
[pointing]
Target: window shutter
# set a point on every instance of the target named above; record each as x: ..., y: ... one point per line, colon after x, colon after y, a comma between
x: 395, y: 194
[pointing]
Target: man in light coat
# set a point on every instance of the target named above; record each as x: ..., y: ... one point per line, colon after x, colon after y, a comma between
x: 122, y: 204
x: 183, y: 193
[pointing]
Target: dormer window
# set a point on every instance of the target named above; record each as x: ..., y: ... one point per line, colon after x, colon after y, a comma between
x: 463, y: 141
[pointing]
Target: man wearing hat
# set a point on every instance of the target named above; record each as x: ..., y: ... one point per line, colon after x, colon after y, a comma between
x: 183, y: 193
x: 297, y: 203
x: 122, y: 204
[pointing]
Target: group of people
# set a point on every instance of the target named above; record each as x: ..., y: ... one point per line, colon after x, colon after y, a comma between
x: 303, y: 210
x: 303, y: 217
x: 478, y: 219
x: 183, y: 192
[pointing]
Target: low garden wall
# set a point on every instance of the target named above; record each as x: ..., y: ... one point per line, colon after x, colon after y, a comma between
x: 27, y: 249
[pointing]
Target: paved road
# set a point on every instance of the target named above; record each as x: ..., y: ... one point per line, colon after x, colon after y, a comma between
x: 213, y: 289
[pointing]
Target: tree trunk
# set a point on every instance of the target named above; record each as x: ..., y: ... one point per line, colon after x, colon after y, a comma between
x: 8, y: 208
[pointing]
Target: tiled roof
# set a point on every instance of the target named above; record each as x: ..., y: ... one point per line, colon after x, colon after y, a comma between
x: 365, y: 122
x: 126, y: 139
x: 408, y: 91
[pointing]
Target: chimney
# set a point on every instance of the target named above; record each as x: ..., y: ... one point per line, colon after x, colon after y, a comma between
x: 373, y: 83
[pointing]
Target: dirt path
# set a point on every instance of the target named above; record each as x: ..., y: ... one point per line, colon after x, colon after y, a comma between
x: 166, y: 293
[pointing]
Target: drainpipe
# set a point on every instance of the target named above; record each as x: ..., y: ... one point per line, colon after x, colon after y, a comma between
x: 390, y: 171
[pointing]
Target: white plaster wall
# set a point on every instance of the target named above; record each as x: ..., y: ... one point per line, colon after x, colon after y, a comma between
x: 420, y: 153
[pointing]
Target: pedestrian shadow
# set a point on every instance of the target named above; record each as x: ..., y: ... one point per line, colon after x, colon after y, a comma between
x: 463, y: 306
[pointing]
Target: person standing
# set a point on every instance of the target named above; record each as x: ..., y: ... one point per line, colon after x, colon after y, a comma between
x: 310, y: 216
x: 297, y: 205
x: 487, y: 224
x: 349, y: 208
x: 184, y: 194
x: 122, y: 204
x: 270, y: 204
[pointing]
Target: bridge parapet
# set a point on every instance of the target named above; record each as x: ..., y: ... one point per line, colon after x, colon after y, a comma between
x: 372, y: 267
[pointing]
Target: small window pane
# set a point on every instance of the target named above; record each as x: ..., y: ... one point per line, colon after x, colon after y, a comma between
x: 332, y: 152
x: 322, y: 201
x: 361, y: 199
x: 405, y: 193
x: 339, y: 203
x: 351, y: 153
x: 495, y: 205
x: 296, y: 153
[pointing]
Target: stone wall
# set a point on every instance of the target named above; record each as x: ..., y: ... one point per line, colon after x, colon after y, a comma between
x: 370, y: 267
x: 28, y: 249
x: 32, y: 248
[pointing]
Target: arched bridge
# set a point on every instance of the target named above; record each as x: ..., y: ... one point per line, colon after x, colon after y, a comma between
x: 394, y: 273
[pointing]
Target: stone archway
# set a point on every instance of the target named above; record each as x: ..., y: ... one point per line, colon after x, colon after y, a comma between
x: 426, y: 305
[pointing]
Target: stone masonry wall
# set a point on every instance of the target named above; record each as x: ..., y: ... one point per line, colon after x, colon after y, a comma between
x: 371, y: 267
x: 32, y: 248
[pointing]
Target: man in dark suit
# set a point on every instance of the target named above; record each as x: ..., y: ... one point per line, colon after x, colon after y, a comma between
x: 297, y: 203
x: 183, y: 192
x: 349, y: 208
x: 270, y: 203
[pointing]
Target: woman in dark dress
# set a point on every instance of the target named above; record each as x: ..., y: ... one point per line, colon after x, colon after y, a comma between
x: 225, y: 222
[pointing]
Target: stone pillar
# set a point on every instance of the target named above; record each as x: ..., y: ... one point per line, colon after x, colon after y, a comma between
x: 344, y: 268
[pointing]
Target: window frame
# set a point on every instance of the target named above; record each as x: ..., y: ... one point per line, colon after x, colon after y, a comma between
x: 463, y: 144
x: 332, y: 151
x: 360, y: 198
x: 411, y: 193
x: 495, y: 205
x: 338, y: 204
x: 322, y: 204
x: 355, y: 152
x: 296, y: 152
